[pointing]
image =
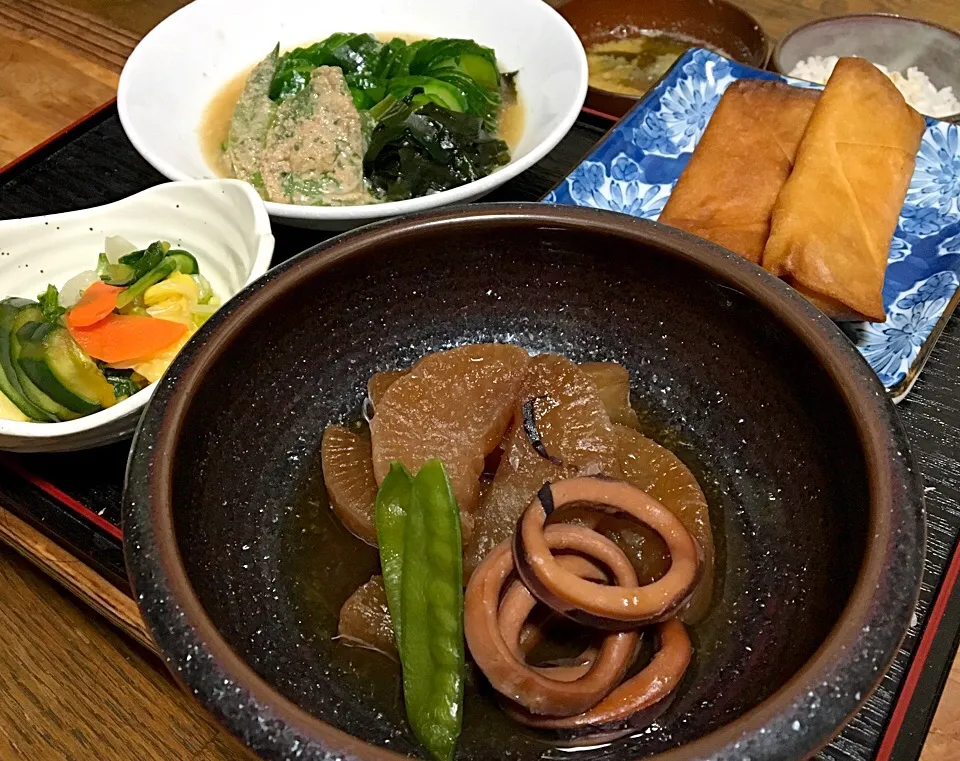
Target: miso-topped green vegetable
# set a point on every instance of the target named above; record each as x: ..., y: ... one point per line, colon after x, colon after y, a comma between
x: 416, y: 118
x: 104, y: 336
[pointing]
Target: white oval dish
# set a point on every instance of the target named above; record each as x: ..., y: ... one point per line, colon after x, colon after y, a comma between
x: 222, y: 222
x: 178, y: 68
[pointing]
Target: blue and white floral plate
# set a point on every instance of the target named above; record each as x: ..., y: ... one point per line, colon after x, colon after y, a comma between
x: 635, y: 167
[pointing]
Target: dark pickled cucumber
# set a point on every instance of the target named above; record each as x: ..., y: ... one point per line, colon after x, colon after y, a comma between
x: 9, y: 383
x: 31, y: 312
x: 58, y: 366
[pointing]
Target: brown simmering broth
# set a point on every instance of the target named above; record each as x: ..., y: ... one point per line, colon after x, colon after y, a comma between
x: 512, y: 119
x: 326, y: 564
x: 632, y: 65
x: 216, y: 123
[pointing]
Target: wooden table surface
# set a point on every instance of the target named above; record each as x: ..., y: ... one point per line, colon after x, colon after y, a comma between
x: 73, y: 687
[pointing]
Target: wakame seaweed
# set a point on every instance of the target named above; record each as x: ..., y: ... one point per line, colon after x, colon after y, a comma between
x: 429, y: 109
x: 419, y: 149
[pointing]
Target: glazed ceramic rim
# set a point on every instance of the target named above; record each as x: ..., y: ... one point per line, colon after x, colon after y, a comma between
x: 775, y: 58
x: 262, y: 235
x: 791, y: 723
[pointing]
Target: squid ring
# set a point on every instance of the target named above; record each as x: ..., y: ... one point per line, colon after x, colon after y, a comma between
x: 614, y: 608
x: 517, y: 605
x: 637, y: 701
x: 509, y: 674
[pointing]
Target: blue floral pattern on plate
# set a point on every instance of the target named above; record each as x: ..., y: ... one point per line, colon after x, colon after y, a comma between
x: 634, y: 169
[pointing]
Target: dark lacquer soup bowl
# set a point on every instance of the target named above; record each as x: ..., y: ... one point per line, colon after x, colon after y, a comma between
x: 817, y: 508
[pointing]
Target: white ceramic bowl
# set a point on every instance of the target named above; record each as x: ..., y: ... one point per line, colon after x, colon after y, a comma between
x: 222, y: 222
x: 177, y: 69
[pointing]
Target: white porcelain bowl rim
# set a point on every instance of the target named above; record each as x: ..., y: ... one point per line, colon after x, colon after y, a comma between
x: 262, y: 230
x: 368, y: 211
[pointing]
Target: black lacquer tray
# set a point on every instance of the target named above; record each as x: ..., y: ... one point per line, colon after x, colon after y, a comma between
x: 74, y: 499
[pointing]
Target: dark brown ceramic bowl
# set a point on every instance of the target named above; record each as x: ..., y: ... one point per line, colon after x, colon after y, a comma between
x: 817, y: 508
x: 715, y: 23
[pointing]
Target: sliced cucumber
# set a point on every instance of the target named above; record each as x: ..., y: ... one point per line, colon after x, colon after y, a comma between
x: 445, y: 95
x: 481, y: 70
x: 434, y: 90
x: 114, y: 274
x: 53, y: 409
x: 185, y: 261
x: 9, y: 382
x: 58, y: 366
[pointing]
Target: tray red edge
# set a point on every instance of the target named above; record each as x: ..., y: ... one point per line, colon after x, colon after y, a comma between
x: 56, y: 136
x: 917, y: 663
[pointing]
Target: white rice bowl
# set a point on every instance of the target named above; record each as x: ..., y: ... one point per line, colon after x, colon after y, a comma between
x: 914, y: 85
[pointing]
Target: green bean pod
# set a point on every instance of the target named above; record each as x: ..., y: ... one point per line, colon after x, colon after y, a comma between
x: 393, y: 498
x: 432, y: 651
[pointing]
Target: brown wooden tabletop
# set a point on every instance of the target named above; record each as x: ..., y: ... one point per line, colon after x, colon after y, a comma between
x: 73, y: 686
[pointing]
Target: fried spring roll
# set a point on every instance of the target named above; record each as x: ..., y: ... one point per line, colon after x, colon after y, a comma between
x: 727, y: 192
x: 836, y: 215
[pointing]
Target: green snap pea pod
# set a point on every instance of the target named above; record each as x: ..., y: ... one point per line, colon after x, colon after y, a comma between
x: 393, y: 499
x: 432, y: 649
